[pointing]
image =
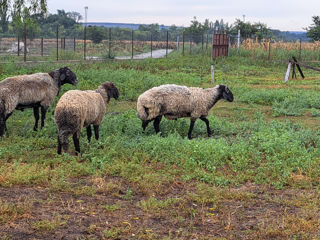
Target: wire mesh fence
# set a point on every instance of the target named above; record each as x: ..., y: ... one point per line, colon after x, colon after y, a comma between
x: 81, y: 44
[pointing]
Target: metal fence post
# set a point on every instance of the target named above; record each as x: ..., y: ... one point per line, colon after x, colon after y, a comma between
x: 85, y: 43
x: 109, y: 43
x: 42, y: 47
x: 132, y: 44
x: 64, y: 43
x: 57, y: 42
x: 25, y: 43
x: 167, y: 45
x: 183, y: 44
x: 151, y: 44
x: 18, y: 46
x: 300, y: 49
x: 269, y: 51
x: 202, y: 42
x: 207, y: 42
x: 74, y: 44
x: 190, y: 43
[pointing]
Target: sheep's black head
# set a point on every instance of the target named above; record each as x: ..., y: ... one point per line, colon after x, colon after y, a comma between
x: 226, y: 93
x: 67, y: 76
x: 111, y: 89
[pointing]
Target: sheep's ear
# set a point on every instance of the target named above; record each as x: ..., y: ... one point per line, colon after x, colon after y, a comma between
x: 51, y: 74
x: 113, y: 93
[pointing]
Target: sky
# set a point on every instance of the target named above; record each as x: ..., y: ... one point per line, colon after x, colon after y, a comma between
x: 285, y: 15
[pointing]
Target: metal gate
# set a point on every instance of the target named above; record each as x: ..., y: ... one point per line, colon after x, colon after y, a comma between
x: 220, y: 45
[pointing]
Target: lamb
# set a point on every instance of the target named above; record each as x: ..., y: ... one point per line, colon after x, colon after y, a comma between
x: 77, y: 109
x: 32, y: 91
x: 174, y: 101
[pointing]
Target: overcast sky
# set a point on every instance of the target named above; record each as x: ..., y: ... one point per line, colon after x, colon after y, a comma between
x: 290, y: 15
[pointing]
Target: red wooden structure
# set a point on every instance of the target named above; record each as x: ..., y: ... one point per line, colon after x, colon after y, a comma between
x: 220, y: 45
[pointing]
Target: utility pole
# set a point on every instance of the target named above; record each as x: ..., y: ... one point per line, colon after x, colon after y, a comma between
x: 85, y: 15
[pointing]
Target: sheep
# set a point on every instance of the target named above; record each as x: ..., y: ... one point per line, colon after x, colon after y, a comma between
x: 32, y: 91
x: 174, y: 101
x: 77, y: 109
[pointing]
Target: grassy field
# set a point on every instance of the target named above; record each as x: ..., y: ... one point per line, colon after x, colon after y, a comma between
x: 257, y: 178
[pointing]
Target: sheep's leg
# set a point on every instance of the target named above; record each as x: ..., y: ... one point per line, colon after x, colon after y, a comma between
x: 59, y: 146
x: 76, y: 142
x: 43, y: 115
x: 2, y: 127
x: 156, y: 123
x: 192, y: 121
x: 89, y: 133
x: 207, y: 123
x: 36, y: 116
x: 5, y: 121
x: 145, y: 124
x: 96, y: 131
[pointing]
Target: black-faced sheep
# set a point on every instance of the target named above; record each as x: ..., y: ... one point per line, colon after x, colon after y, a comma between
x: 174, y: 101
x: 32, y: 91
x: 77, y: 109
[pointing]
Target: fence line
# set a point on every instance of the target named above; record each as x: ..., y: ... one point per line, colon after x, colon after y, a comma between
x: 115, y: 44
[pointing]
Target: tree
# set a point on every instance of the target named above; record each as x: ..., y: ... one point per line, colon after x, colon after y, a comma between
x: 313, y: 31
x: 4, y: 15
x: 95, y: 33
x: 249, y: 30
x: 32, y: 26
x: 21, y: 11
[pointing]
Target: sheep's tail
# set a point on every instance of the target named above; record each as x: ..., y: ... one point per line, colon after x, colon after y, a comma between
x: 2, y: 117
x: 63, y: 138
x: 142, y: 111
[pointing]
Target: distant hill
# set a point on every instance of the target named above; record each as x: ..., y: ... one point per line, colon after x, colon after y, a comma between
x: 290, y: 35
x: 133, y: 26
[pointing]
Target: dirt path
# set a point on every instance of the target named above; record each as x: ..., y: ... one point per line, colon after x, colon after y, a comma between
x: 155, y: 54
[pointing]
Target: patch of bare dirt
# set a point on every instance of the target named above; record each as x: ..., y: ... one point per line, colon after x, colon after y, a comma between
x: 240, y: 213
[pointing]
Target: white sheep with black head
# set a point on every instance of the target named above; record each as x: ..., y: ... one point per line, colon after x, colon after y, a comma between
x: 174, y: 101
x: 77, y: 109
x: 32, y: 91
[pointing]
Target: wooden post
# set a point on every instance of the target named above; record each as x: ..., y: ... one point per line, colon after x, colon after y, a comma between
x: 167, y: 45
x: 57, y: 41
x: 286, y: 78
x: 151, y: 43
x: 183, y: 44
x: 25, y: 43
x: 42, y: 47
x: 18, y: 46
x: 132, y: 44
x: 64, y: 43
x: 74, y: 44
x: 109, y: 42
x: 85, y: 43
x: 298, y: 66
